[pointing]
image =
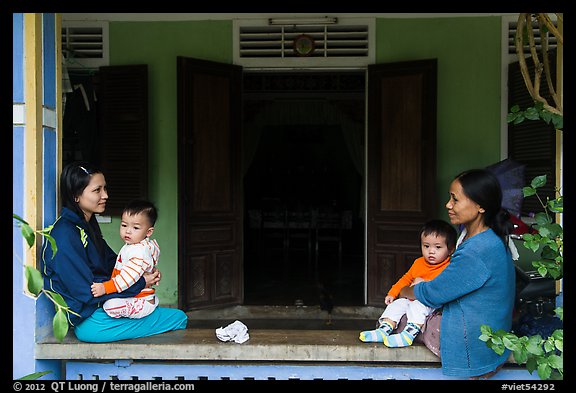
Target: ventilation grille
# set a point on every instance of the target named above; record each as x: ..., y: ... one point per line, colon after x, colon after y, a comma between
x: 329, y: 41
x: 512, y: 27
x: 85, y: 45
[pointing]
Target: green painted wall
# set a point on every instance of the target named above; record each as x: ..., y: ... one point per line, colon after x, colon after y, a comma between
x: 468, y: 121
x: 469, y: 67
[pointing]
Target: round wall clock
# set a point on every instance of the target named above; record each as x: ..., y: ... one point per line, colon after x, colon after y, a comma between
x: 304, y: 45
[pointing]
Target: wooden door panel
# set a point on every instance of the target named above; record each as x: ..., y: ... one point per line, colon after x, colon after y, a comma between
x: 207, y: 235
x: 401, y: 148
x: 401, y: 168
x: 210, y: 197
x: 211, y: 190
x: 225, y: 266
x: 197, y: 290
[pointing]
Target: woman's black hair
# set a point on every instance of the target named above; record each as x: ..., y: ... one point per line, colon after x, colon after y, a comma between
x: 483, y: 187
x: 74, y: 178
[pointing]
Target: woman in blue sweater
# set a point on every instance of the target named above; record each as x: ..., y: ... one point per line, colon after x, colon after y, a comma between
x: 478, y: 287
x: 84, y: 257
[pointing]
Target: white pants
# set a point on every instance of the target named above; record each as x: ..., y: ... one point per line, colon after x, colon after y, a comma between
x: 415, y: 311
x: 131, y: 307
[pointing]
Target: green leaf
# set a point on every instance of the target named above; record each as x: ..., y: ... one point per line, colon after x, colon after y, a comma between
x: 549, y: 253
x: 555, y: 229
x: 519, y: 119
x: 544, y: 371
x: 498, y: 348
x: 558, y: 334
x: 521, y: 356
x: 28, y: 234
x: 57, y: 298
x: 46, y: 233
x: 532, y: 114
x: 555, y: 273
x: 532, y: 245
x: 528, y: 191
x: 60, y: 325
x: 558, y: 121
x: 485, y: 329
x: 484, y: 337
x: 556, y: 361
x: 538, y: 181
x: 18, y: 218
x: 531, y: 364
x: 542, y: 218
x: 549, y: 345
x: 534, y: 345
x: 52, y: 244
x: 559, y: 312
x: 511, y: 342
x: 546, y: 116
x: 34, y: 376
x: 34, y: 280
x: 556, y: 205
x: 510, y: 117
x: 543, y: 271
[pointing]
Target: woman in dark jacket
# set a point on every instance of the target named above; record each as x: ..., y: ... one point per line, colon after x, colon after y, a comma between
x: 84, y: 257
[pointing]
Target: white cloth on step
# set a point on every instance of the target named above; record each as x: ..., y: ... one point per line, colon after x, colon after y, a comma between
x: 236, y: 331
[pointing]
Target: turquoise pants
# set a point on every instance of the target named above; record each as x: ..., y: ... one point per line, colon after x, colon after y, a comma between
x: 101, y: 328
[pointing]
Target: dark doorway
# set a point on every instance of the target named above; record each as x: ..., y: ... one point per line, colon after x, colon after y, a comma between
x: 303, y: 171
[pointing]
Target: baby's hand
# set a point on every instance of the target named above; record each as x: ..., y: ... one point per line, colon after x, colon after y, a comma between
x: 389, y: 299
x: 98, y: 289
x: 417, y: 280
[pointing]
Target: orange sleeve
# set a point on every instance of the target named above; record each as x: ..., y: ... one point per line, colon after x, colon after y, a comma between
x: 420, y: 268
x: 416, y: 270
x: 110, y: 287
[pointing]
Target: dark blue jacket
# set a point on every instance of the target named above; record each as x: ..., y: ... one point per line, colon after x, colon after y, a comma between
x: 77, y: 264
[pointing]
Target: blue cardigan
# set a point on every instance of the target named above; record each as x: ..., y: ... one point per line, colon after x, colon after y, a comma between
x: 77, y: 264
x: 477, y: 287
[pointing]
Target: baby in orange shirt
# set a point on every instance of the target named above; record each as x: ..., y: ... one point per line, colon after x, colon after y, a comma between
x: 438, y: 242
x: 139, y: 255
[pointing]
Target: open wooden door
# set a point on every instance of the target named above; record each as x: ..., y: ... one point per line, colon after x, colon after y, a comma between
x: 209, y: 184
x: 401, y: 168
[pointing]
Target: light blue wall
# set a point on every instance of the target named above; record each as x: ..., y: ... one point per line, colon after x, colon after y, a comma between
x: 17, y: 57
x: 31, y: 318
x: 49, y: 60
x: 23, y: 307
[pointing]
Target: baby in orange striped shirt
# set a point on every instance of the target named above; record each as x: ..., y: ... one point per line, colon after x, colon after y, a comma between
x: 138, y: 256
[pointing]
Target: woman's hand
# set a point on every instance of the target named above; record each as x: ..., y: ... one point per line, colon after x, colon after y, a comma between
x: 152, y: 278
x: 407, y: 292
x: 416, y: 281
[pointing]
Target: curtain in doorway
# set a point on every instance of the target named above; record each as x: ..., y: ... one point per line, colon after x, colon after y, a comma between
x: 310, y: 112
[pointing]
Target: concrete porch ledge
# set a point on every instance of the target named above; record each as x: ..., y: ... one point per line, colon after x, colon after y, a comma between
x: 263, y: 345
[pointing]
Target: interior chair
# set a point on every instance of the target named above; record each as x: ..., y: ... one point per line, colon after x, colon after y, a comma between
x: 329, y: 231
x: 273, y: 233
x: 299, y: 236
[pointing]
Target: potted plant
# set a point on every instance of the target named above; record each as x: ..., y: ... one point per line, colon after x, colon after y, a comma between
x: 544, y: 354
